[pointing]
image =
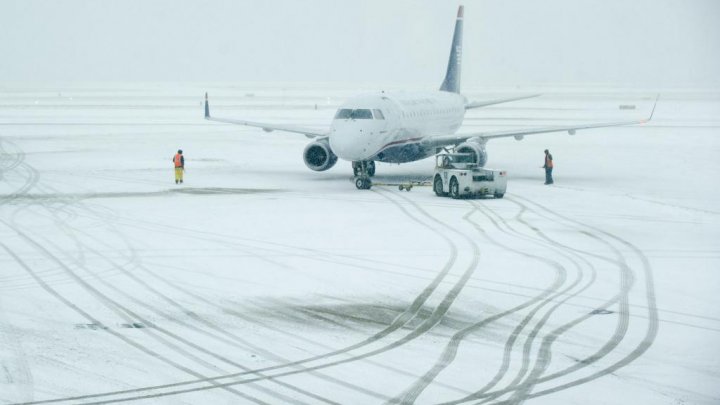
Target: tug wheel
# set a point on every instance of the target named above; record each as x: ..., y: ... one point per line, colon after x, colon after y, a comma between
x: 454, y: 188
x: 438, y: 186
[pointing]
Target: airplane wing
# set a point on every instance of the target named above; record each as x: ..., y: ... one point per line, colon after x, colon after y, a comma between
x: 476, y: 104
x: 310, y: 133
x: 456, y: 139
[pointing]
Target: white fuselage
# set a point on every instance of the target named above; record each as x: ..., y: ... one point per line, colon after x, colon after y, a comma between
x: 390, y: 127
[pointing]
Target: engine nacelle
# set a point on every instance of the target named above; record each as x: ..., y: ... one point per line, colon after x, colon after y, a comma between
x: 477, y: 150
x: 319, y: 157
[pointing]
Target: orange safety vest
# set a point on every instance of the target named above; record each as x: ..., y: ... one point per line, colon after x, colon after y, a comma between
x: 548, y: 161
x: 178, y: 160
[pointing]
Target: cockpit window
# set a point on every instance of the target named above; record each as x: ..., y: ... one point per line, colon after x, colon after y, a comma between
x: 356, y: 114
x: 343, y: 113
x: 378, y: 115
x: 361, y: 114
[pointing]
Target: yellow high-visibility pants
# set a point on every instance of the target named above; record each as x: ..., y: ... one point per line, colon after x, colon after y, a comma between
x: 179, y: 174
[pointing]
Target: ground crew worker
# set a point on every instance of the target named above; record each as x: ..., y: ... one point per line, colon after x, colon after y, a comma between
x: 179, y: 161
x: 548, y: 166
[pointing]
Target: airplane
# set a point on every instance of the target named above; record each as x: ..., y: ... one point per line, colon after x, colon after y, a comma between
x: 400, y: 127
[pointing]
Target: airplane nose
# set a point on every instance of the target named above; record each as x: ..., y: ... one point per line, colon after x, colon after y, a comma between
x: 348, y: 144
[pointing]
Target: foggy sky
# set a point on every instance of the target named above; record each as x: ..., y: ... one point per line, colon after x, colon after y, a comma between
x: 662, y: 43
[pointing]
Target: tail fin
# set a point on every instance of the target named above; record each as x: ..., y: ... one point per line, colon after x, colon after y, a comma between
x: 207, y: 107
x: 452, y: 77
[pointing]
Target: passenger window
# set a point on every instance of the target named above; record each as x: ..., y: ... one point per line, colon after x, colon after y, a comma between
x: 378, y: 115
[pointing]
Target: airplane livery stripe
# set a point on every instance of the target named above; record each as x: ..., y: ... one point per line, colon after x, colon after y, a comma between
x: 398, y: 143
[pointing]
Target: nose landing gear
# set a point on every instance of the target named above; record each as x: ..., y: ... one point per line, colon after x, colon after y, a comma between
x: 363, y: 171
x: 357, y: 168
x: 363, y: 183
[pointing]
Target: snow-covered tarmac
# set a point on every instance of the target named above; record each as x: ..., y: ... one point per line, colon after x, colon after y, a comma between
x: 259, y: 281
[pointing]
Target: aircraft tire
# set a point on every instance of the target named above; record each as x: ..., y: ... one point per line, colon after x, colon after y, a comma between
x: 363, y: 183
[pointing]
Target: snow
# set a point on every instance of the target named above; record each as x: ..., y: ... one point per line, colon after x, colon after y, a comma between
x: 261, y: 281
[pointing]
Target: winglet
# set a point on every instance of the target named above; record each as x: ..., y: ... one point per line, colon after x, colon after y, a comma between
x: 207, y: 107
x: 653, y: 110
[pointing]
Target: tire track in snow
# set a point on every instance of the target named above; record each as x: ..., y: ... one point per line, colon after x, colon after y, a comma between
x: 411, y: 394
x: 626, y: 280
x: 397, y: 324
x: 559, y: 298
x: 134, y: 260
x: 197, y: 347
x: 426, y: 325
x: 622, y: 298
x: 521, y: 392
x: 227, y: 337
x: 284, y: 247
x: 554, y: 296
x: 9, y: 161
x: 16, y: 378
x: 16, y: 370
x: 90, y: 318
x: 31, y: 179
x: 124, y: 313
x: 639, y: 350
x: 30, y: 182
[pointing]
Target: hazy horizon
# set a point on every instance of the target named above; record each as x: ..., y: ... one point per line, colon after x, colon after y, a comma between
x: 526, y: 43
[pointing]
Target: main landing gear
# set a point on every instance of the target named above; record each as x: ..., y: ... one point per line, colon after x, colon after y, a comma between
x: 363, y: 171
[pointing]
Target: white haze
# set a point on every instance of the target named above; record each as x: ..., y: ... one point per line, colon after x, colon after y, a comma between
x: 646, y: 43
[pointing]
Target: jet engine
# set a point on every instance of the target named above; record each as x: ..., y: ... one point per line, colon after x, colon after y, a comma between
x: 476, y: 150
x: 319, y: 157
